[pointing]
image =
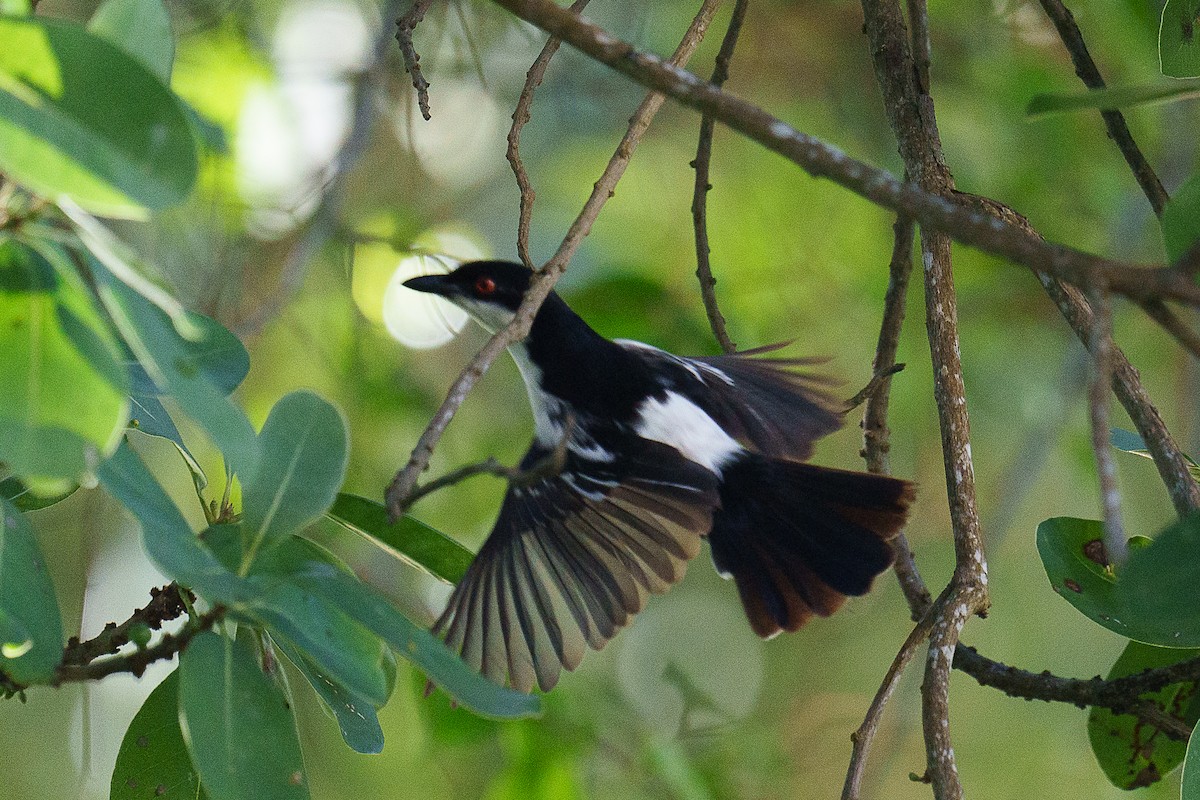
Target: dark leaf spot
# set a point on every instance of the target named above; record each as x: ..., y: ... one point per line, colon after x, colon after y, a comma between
x: 1094, y: 551
x: 1073, y: 585
x: 297, y: 778
x: 131, y: 783
x: 160, y: 790
x: 1146, y: 777
x: 142, y: 741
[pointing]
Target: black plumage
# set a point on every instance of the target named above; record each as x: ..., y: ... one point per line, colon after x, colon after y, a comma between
x: 662, y: 452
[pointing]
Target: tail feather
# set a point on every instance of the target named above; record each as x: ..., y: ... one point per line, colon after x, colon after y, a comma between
x: 797, y: 538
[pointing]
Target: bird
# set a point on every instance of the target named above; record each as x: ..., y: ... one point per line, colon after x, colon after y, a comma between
x: 657, y: 453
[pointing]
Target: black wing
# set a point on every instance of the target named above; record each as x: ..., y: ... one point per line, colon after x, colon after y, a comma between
x: 572, y: 558
x: 768, y: 404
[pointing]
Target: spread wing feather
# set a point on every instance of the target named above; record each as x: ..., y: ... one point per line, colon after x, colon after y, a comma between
x: 772, y: 405
x: 573, y: 557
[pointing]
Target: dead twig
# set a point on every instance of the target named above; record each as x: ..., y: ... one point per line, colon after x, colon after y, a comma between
x: 543, y: 282
x: 520, y: 117
x: 405, y: 25
x: 702, y: 186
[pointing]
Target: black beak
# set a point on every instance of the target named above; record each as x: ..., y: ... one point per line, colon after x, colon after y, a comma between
x: 432, y: 284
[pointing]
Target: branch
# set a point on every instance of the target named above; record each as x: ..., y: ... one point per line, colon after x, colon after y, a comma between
x: 911, y: 115
x: 1121, y: 695
x: 1172, y: 324
x: 820, y: 159
x: 700, y: 192
x: 865, y: 734
x: 1114, y: 120
x: 520, y: 116
x: 875, y: 416
x: 136, y: 662
x: 165, y: 604
x: 405, y: 26
x: 543, y: 282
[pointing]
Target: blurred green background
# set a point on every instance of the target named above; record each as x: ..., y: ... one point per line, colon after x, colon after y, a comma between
x: 686, y: 703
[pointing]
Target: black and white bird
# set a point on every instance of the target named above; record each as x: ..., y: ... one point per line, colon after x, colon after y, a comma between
x: 661, y: 452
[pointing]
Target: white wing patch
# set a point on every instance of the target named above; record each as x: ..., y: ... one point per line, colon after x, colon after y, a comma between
x: 680, y: 423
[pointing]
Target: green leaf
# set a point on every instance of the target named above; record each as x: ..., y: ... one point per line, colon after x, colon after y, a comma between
x: 153, y: 761
x: 412, y: 540
x: 298, y: 560
x: 15, y: 7
x: 151, y: 418
x: 237, y: 723
x: 355, y: 714
x: 1072, y: 552
x: 1191, y: 770
x: 1158, y: 587
x: 1179, y: 39
x: 166, y: 535
x: 30, y: 625
x: 1128, y: 442
x: 305, y: 448
x: 268, y: 596
x: 25, y: 499
x: 1181, y: 219
x: 1151, y: 600
x: 1133, y: 753
x: 63, y: 402
x: 1113, y: 97
x: 80, y: 117
x: 171, y: 362
x: 142, y: 28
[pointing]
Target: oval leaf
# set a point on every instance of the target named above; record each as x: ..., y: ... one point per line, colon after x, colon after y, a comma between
x: 413, y: 541
x: 30, y: 625
x: 132, y: 152
x: 1072, y: 554
x: 1191, y: 770
x: 1158, y: 587
x: 237, y: 723
x: 142, y: 28
x: 24, y: 498
x: 170, y: 361
x: 1181, y: 219
x: 305, y: 449
x: 1131, y: 752
x: 153, y: 761
x: 1113, y: 97
x: 356, y: 717
x: 1179, y: 39
x: 63, y: 399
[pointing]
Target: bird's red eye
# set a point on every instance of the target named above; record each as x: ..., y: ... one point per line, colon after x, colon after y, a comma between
x: 484, y: 285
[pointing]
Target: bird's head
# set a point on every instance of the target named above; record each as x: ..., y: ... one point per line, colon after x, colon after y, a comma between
x: 490, y: 291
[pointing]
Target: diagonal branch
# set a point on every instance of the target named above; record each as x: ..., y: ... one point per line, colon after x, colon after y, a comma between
x: 399, y: 490
x: 1114, y: 120
x: 967, y: 225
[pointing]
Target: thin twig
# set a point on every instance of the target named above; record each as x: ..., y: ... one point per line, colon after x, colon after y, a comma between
x: 1114, y: 121
x: 520, y: 116
x: 874, y: 386
x: 700, y: 191
x: 323, y: 223
x: 967, y: 225
x: 549, y: 466
x: 1172, y: 324
x: 876, y: 445
x: 1100, y: 347
x: 543, y: 282
x: 405, y: 25
x: 865, y: 735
